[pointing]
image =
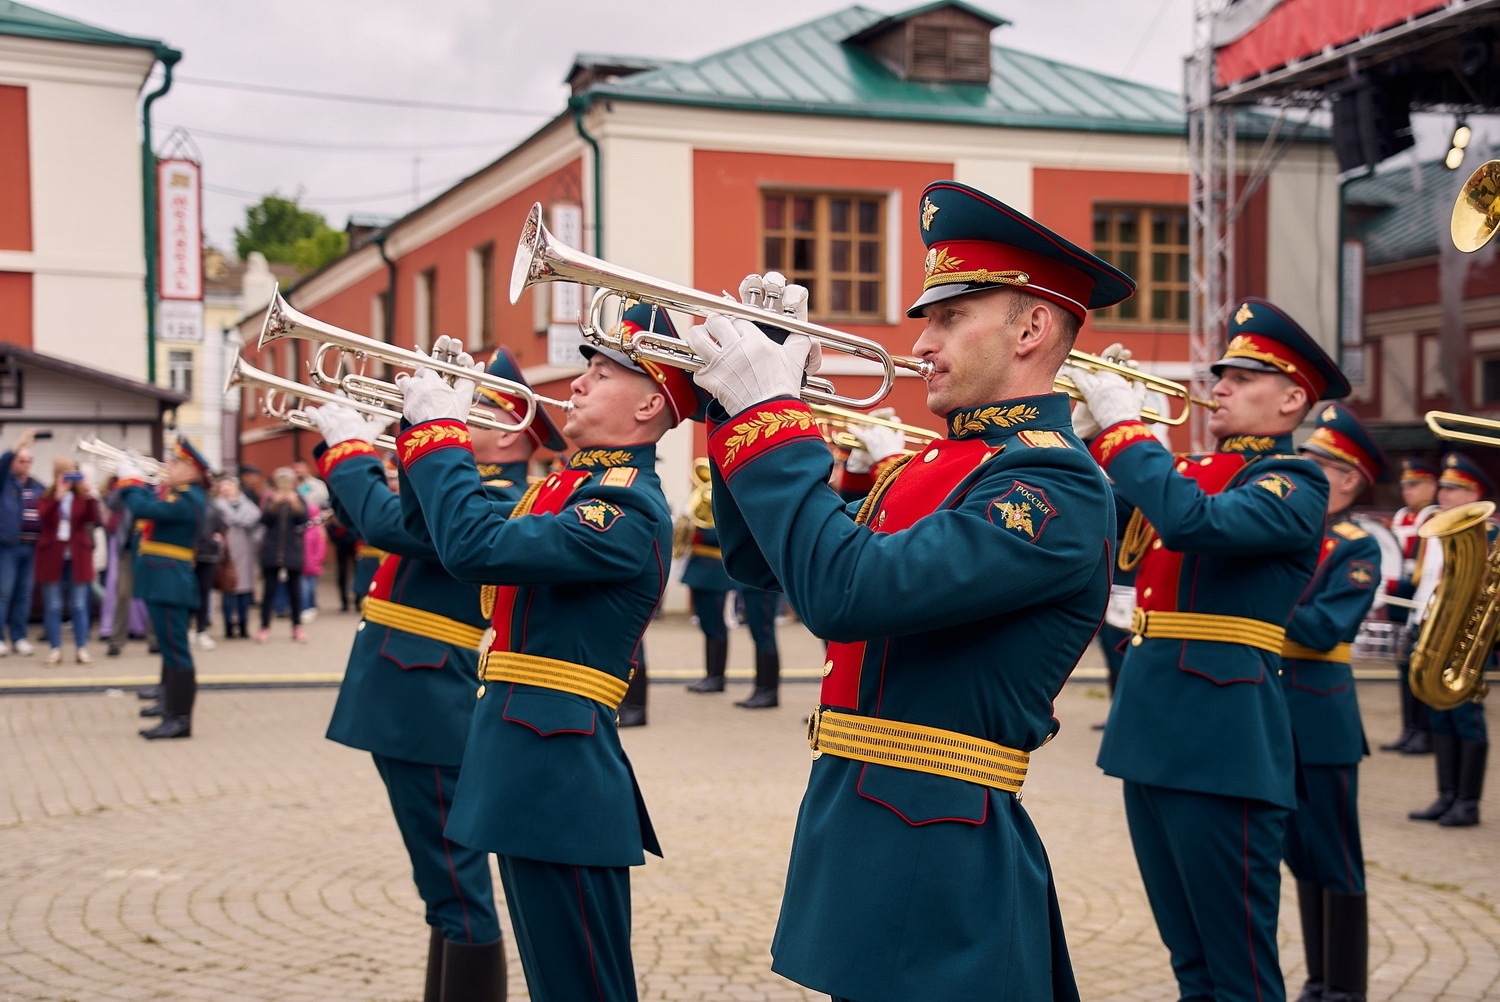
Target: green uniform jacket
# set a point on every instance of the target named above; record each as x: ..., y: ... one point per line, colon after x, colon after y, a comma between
x: 405, y: 695
x: 174, y: 520
x: 1320, y: 694
x: 704, y: 572
x: 904, y: 885
x: 1234, y: 533
x: 545, y: 777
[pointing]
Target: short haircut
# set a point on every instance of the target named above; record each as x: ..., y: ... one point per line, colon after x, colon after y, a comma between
x: 1068, y: 322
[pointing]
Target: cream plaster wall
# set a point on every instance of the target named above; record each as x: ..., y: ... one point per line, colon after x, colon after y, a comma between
x: 1302, y: 260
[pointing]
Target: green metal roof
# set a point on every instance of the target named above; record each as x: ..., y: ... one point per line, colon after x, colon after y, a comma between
x: 1407, y: 210
x: 18, y: 19
x: 808, y: 70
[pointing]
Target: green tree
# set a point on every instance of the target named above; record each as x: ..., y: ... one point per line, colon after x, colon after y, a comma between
x: 287, y: 233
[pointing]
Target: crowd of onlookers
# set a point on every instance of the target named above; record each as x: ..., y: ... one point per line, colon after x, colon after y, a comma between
x: 264, y: 542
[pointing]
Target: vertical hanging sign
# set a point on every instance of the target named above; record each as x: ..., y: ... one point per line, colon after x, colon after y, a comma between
x: 179, y: 202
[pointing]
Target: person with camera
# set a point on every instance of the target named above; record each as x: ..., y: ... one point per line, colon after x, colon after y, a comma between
x: 68, y: 513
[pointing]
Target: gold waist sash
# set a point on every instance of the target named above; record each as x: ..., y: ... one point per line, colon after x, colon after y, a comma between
x: 699, y: 550
x: 152, y: 548
x: 1207, y: 626
x: 366, y: 550
x: 1339, y: 655
x: 550, y: 673
x: 918, y: 748
x: 383, y: 612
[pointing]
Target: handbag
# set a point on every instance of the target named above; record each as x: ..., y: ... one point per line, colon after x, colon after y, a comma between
x: 225, y: 577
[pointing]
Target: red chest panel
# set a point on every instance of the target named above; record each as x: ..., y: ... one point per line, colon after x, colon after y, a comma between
x: 551, y: 494
x: 385, y: 576
x: 1330, y: 543
x: 1404, y: 526
x: 919, y: 488
x: 1160, y: 571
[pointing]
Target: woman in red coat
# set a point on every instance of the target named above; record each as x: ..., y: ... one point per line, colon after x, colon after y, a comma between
x: 69, y: 513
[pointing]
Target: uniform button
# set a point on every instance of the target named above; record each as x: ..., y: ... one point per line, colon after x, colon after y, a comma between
x: 827, y: 668
x: 880, y: 519
x: 1146, y: 593
x: 373, y: 586
x: 1135, y: 641
x: 1156, y: 544
x: 361, y: 626
x: 816, y: 755
x: 630, y: 675
x: 929, y: 455
x: 1182, y: 467
x: 1281, y: 671
x: 480, y: 693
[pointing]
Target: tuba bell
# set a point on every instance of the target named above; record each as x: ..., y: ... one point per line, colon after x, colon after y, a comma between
x: 700, y: 509
x: 1463, y: 618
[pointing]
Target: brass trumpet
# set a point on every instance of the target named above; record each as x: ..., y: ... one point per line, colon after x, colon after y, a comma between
x: 1435, y: 424
x: 1154, y: 384
x: 107, y: 457
x: 836, y: 421
x: 540, y: 258
x: 276, y: 401
x: 282, y: 321
x: 1476, y: 215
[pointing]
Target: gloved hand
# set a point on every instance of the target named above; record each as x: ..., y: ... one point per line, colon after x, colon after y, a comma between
x: 771, y: 291
x: 337, y: 423
x: 429, y: 397
x: 1086, y: 422
x: 127, y: 470
x: 1108, y: 399
x: 877, y: 442
x: 742, y: 366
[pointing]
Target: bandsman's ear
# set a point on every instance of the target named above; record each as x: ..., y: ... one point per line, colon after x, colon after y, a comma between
x: 1036, y: 323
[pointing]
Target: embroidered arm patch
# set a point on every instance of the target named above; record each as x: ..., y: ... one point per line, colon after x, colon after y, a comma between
x: 1277, y: 484
x: 1362, y: 574
x: 1023, y: 509
x: 597, y: 515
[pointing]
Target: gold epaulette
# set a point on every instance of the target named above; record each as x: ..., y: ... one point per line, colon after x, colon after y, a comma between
x: 1138, y: 536
x: 499, y: 483
x: 1350, y: 531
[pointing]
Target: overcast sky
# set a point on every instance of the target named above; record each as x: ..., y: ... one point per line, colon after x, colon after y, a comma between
x: 505, y: 56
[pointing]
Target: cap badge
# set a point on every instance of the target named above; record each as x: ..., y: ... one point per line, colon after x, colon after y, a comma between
x: 1243, y: 314
x: 1329, y: 414
x: 939, y: 260
x: 928, y: 211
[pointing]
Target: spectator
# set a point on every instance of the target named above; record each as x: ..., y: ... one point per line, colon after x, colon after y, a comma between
x: 125, y: 610
x: 67, y: 513
x: 344, y: 546
x: 19, y: 491
x: 206, y: 554
x: 282, y: 550
x: 309, y: 487
x: 241, y: 519
x: 253, y: 483
x: 314, y: 552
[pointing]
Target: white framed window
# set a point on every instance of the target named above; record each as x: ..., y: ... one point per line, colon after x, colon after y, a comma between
x: 424, y: 308
x: 481, y: 296
x: 180, y: 371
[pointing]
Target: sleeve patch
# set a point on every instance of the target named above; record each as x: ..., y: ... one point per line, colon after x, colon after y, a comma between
x: 1277, y: 484
x: 1362, y: 574
x: 619, y: 476
x: 598, y: 515
x: 1023, y: 509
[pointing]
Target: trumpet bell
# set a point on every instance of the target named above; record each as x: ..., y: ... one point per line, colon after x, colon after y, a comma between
x: 1476, y: 215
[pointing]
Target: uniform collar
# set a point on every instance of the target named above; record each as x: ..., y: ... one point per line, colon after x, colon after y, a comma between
x: 603, y: 458
x: 1006, y: 417
x: 1256, y: 444
x: 1337, y: 517
x: 514, y: 472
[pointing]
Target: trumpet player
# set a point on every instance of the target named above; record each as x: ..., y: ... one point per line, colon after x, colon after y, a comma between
x: 572, y: 576
x: 1323, y: 846
x: 1198, y: 728
x: 407, y: 696
x: 957, y: 598
x: 1460, y: 736
x: 164, y: 575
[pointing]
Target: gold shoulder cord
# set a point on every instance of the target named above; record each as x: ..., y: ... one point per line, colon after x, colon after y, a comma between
x: 873, y: 498
x: 1136, y: 541
x: 488, y: 593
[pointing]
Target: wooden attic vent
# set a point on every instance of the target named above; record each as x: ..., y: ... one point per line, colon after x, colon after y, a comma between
x: 945, y: 43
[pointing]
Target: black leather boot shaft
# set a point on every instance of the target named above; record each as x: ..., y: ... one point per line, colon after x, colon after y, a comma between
x: 1347, y: 941
x: 473, y: 973
x: 1445, y: 746
x: 1310, y: 908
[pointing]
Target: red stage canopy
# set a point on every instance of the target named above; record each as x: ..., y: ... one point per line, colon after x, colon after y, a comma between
x: 1298, y: 29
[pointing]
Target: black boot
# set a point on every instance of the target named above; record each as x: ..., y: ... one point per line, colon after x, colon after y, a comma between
x: 1446, y: 747
x: 1408, y: 719
x: 1348, y: 944
x: 1472, y: 756
x: 715, y: 657
x: 632, y: 712
x: 1310, y: 906
x: 767, y: 682
x: 177, y: 722
x: 1421, y: 739
x: 432, y: 988
x: 153, y: 709
x: 148, y: 692
x: 473, y: 973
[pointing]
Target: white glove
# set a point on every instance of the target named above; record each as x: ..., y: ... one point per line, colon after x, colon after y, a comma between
x: 772, y: 292
x: 876, y: 442
x: 126, y: 470
x: 337, y: 423
x: 428, y: 397
x: 742, y: 366
x: 1108, y: 399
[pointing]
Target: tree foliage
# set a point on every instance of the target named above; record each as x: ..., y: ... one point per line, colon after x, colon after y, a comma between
x: 287, y: 233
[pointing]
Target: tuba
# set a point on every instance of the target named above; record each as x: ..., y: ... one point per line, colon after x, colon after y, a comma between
x: 1463, y: 618
x: 700, y: 509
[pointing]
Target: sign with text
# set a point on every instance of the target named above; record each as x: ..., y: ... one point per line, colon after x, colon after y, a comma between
x: 179, y: 320
x: 179, y: 229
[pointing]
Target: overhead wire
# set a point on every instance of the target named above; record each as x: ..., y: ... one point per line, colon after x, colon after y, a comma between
x: 393, y: 102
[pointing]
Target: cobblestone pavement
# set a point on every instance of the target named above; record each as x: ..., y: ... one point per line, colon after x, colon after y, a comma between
x: 259, y: 861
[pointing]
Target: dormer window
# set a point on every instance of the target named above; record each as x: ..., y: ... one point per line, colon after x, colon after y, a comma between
x: 939, y: 52
x: 938, y: 43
